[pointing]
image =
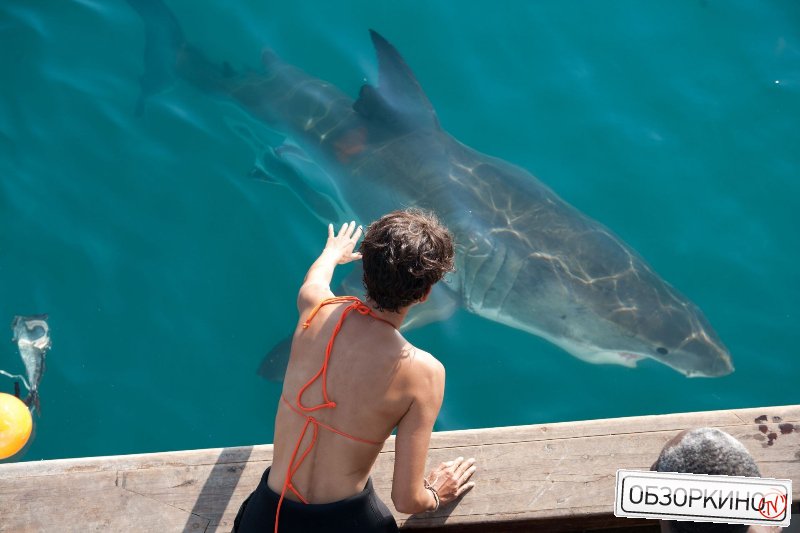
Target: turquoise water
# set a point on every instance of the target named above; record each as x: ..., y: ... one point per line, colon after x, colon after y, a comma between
x: 168, y: 272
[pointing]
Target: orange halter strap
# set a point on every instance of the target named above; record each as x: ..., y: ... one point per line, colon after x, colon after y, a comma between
x: 294, y: 463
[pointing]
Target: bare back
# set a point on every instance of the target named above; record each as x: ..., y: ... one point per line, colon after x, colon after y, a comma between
x: 369, y: 377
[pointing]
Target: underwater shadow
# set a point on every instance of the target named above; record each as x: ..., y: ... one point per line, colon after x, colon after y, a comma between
x: 434, y: 522
x: 219, y: 487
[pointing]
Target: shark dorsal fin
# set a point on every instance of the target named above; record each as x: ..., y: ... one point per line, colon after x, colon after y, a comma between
x: 398, y: 100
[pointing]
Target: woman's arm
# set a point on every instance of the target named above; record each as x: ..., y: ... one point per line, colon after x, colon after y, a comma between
x: 450, y: 479
x: 338, y: 251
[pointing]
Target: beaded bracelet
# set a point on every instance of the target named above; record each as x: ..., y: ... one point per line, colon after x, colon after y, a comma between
x: 428, y: 486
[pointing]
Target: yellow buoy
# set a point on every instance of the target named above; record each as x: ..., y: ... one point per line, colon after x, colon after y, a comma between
x: 15, y: 425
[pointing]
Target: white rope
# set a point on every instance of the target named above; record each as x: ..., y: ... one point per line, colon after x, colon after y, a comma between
x: 17, y: 376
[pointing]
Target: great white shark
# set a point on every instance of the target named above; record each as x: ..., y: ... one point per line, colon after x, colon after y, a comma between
x: 524, y: 257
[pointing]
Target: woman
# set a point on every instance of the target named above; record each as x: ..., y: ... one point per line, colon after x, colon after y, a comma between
x: 352, y: 378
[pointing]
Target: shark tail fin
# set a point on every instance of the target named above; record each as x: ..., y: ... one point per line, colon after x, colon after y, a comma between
x: 167, y: 55
x: 163, y: 41
x: 398, y: 100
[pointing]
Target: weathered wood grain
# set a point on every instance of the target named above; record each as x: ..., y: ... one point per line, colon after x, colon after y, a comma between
x: 557, y: 476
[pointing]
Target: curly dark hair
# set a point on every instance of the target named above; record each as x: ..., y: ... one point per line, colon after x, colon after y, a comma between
x: 707, y: 451
x: 404, y: 254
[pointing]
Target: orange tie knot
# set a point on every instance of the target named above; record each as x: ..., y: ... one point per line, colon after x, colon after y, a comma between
x: 363, y: 309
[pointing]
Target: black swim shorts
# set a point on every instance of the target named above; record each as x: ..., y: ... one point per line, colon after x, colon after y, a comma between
x: 362, y: 513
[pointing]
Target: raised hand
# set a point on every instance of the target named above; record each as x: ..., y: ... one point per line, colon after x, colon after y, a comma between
x: 341, y: 245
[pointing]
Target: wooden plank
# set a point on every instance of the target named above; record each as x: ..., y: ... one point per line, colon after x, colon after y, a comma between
x: 86, y: 502
x: 558, y: 475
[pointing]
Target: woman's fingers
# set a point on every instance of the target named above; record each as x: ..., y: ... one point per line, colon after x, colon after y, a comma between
x: 465, y: 475
x: 347, y: 230
x: 464, y: 488
x: 464, y: 466
x: 452, y: 478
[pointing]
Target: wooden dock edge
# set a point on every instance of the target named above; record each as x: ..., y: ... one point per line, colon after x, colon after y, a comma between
x: 545, y: 477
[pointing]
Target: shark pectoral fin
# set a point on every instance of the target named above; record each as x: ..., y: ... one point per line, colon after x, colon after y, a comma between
x: 258, y: 173
x: 257, y: 135
x: 398, y: 101
x: 273, y: 366
x: 440, y: 305
x: 288, y: 165
x: 291, y: 152
x: 271, y: 169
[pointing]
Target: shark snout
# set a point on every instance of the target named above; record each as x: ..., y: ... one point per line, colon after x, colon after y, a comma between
x: 720, y: 366
x: 699, y: 358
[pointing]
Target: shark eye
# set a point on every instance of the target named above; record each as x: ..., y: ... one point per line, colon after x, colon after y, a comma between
x: 662, y: 350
